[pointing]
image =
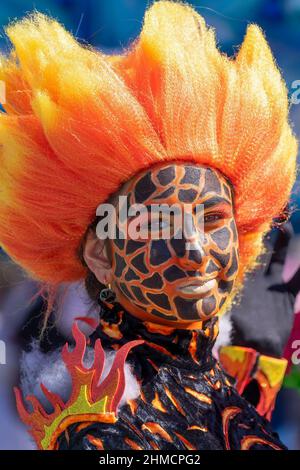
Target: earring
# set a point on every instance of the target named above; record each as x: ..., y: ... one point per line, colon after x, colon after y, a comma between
x: 107, y: 294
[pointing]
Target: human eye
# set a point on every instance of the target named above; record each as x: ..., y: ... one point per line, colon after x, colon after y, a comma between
x: 154, y: 225
x: 158, y: 224
x: 211, y: 220
x: 213, y: 217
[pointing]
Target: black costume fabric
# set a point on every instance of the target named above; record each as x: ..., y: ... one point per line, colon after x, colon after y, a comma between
x: 186, y: 400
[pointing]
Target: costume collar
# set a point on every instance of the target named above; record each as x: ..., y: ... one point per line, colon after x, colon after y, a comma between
x: 188, y: 349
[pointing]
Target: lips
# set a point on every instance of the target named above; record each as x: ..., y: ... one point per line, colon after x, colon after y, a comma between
x: 197, y: 287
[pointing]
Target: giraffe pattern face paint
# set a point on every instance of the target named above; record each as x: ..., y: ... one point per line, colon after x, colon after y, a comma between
x: 163, y: 277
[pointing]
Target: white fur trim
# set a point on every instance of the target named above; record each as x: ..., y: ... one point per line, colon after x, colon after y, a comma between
x: 224, y: 337
x: 38, y: 367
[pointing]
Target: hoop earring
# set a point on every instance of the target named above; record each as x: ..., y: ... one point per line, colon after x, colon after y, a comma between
x: 107, y: 294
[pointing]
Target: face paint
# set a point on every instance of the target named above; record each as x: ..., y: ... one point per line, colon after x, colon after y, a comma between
x: 178, y: 280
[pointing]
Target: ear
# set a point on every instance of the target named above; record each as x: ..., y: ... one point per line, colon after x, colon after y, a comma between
x: 95, y: 256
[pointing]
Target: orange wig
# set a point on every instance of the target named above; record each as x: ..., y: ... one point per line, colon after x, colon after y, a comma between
x: 79, y: 123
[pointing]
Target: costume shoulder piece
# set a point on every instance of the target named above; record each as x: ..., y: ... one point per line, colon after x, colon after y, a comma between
x: 88, y: 401
x: 185, y: 401
x: 249, y: 368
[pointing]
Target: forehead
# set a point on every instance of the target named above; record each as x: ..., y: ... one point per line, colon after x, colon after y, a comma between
x: 189, y: 180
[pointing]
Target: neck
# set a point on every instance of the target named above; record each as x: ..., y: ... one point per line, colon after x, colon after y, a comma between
x: 187, y: 349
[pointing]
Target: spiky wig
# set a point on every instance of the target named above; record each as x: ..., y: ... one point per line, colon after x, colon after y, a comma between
x: 79, y: 123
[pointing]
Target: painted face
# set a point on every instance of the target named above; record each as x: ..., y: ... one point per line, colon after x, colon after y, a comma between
x: 187, y: 276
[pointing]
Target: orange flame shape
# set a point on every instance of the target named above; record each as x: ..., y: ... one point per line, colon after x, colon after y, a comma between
x: 89, y: 399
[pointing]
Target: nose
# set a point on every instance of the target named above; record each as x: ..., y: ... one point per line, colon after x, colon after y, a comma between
x: 189, y: 248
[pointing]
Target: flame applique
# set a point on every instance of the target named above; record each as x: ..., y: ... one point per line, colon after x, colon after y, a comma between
x: 89, y: 400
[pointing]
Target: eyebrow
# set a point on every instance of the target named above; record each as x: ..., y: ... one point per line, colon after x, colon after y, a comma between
x: 214, y: 201
x: 211, y: 202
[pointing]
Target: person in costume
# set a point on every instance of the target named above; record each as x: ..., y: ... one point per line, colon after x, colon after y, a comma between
x: 171, y: 120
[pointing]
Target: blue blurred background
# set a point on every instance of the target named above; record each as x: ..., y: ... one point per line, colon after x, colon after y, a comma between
x: 110, y: 26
